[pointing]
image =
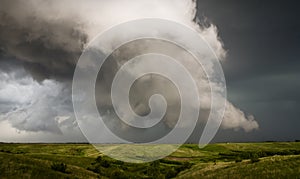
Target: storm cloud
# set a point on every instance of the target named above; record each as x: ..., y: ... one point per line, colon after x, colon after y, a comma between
x: 40, y: 44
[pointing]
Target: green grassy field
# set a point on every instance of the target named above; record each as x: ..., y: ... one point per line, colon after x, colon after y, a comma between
x: 230, y: 160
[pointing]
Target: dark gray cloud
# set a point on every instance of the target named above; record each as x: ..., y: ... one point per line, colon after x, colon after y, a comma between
x: 262, y: 71
x: 47, y: 47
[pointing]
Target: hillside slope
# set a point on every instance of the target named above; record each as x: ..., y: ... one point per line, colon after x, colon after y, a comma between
x: 230, y: 160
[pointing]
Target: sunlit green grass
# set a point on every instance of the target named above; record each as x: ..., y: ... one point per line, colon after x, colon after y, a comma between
x: 276, y: 160
x: 268, y: 167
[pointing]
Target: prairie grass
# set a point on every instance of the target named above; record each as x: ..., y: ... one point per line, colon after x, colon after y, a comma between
x: 275, y: 160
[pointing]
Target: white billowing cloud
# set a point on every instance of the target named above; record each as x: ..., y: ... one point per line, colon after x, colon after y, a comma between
x: 211, y: 36
x: 234, y: 118
x: 34, y: 106
x: 64, y: 27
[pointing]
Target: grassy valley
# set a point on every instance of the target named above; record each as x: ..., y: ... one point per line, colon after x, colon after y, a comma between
x: 222, y: 160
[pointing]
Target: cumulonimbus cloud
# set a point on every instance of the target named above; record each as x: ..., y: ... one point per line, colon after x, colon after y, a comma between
x: 47, y: 38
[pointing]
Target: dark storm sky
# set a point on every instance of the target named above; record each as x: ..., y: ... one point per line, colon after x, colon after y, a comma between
x: 263, y: 67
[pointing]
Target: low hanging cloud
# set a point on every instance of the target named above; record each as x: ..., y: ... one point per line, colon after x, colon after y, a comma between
x: 32, y: 106
x: 46, y: 38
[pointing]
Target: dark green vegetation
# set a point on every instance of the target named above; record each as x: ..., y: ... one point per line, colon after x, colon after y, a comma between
x: 61, y: 167
x: 157, y: 169
x: 233, y: 160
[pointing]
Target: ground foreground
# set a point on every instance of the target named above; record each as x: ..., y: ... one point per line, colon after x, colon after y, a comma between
x: 224, y: 160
